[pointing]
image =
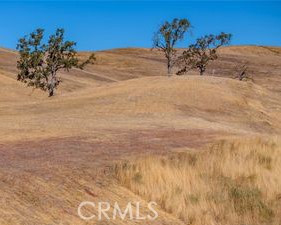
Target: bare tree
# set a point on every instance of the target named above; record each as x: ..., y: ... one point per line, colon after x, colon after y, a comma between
x: 198, y: 55
x: 167, y: 37
x: 241, y: 72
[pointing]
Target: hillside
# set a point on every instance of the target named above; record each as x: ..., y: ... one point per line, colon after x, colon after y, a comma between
x: 122, y: 64
x: 56, y: 152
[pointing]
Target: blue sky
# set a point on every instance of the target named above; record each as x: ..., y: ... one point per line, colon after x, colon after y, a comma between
x: 97, y: 25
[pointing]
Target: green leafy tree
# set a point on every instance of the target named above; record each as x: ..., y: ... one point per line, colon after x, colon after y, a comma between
x: 39, y: 63
x: 198, y: 55
x: 168, y: 35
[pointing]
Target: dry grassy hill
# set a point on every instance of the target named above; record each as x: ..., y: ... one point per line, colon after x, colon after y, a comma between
x: 56, y: 152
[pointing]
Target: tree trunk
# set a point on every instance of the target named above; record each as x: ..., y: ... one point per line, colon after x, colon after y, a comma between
x: 51, y: 91
x: 169, y: 67
x: 241, y: 76
x: 169, y: 71
x: 51, y: 87
x: 202, y: 70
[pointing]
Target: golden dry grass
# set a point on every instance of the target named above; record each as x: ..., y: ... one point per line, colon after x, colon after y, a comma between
x: 56, y: 152
x: 252, y: 50
x: 231, y: 182
x: 191, y: 101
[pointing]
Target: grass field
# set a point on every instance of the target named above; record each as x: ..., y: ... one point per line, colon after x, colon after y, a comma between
x: 205, y: 148
x: 229, y: 182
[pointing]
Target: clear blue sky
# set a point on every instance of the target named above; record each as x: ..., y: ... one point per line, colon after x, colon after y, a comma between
x: 97, y: 25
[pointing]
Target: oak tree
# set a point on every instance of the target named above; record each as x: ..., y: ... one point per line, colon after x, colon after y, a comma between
x: 198, y: 55
x: 168, y: 35
x: 39, y: 63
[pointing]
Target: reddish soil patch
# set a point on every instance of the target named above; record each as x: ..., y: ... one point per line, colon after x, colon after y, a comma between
x: 81, y: 152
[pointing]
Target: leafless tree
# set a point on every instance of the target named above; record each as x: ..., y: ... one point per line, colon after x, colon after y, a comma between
x: 241, y: 72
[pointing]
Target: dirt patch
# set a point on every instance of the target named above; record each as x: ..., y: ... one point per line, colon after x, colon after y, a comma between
x: 84, y: 151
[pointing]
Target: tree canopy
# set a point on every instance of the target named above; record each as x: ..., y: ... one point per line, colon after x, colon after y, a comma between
x: 198, y: 55
x: 167, y: 37
x: 39, y: 63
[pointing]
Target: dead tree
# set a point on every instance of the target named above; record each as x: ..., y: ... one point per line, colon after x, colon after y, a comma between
x: 241, y: 72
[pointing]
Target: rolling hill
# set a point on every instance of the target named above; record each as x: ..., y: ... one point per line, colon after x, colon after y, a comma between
x: 56, y: 152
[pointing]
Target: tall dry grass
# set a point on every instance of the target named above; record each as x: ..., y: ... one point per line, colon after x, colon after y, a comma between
x: 231, y: 182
